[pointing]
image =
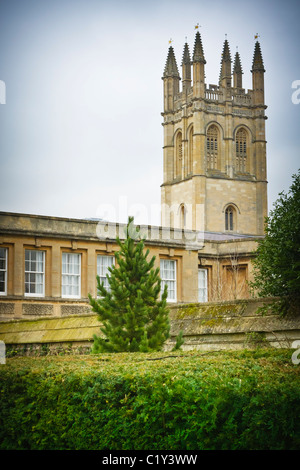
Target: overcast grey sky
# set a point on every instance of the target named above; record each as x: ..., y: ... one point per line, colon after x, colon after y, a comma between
x: 81, y: 127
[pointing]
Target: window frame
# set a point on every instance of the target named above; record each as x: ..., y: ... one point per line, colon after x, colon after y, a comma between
x: 212, y: 147
x: 190, y: 151
x: 112, y: 257
x: 205, y: 288
x: 69, y: 274
x: 241, y: 150
x: 4, y: 270
x: 178, y: 154
x: 169, y: 280
x: 43, y: 273
x: 230, y: 218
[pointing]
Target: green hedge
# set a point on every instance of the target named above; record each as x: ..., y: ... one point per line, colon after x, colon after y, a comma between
x: 190, y: 401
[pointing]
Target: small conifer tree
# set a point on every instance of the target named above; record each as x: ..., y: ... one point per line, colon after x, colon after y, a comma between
x: 133, y: 316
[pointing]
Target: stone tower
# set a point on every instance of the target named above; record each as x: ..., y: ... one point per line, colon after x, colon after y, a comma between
x: 214, y: 176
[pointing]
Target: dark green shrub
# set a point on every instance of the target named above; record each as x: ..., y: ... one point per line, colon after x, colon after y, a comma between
x: 245, y: 400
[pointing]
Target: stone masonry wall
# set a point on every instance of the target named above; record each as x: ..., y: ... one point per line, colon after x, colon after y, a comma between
x: 207, y: 327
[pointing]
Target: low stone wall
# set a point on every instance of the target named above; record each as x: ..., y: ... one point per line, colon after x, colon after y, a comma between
x: 231, y: 325
x: 50, y: 334
x: 210, y: 326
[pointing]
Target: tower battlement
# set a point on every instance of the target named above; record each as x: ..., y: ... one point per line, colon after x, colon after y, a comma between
x: 229, y: 88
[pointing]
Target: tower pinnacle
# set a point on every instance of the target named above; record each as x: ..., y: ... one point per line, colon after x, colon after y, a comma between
x: 237, y: 71
x: 186, y: 58
x: 198, y: 55
x: 226, y: 57
x: 237, y: 67
x: 171, y: 81
x: 186, y: 69
x: 225, y: 72
x: 198, y: 68
x: 258, y: 76
x: 257, y: 59
x: 171, y: 69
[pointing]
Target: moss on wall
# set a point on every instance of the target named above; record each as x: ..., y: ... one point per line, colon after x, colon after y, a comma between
x: 212, y: 310
x: 79, y: 328
x: 212, y: 325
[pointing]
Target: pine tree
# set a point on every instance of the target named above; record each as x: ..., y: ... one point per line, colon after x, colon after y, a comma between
x: 133, y: 316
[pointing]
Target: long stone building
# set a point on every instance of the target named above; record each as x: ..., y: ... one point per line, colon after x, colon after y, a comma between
x: 213, y: 198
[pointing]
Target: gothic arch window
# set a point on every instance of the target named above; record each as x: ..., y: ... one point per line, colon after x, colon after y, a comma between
x: 178, y: 155
x: 212, y: 147
x: 230, y: 218
x: 241, y: 151
x: 190, y: 151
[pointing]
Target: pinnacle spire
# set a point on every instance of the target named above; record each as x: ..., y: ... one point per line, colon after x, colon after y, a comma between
x: 186, y: 59
x: 171, y: 69
x: 198, y: 55
x: 226, y: 57
x: 237, y: 71
x: 257, y: 59
x: 225, y: 72
x: 237, y: 67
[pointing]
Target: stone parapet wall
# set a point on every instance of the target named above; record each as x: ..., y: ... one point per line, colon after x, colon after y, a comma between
x: 231, y: 325
x: 211, y: 326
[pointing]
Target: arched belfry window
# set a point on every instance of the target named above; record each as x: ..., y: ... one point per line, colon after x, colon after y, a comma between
x: 212, y: 147
x: 241, y: 150
x: 231, y: 212
x: 230, y: 218
x: 178, y: 156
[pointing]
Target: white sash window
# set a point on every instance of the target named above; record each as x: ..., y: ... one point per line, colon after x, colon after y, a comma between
x: 202, y: 285
x: 168, y: 277
x: 3, y: 271
x: 34, y: 273
x: 71, y: 275
x: 103, y: 263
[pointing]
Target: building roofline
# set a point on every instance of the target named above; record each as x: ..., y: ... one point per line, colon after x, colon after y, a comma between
x: 103, y: 230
